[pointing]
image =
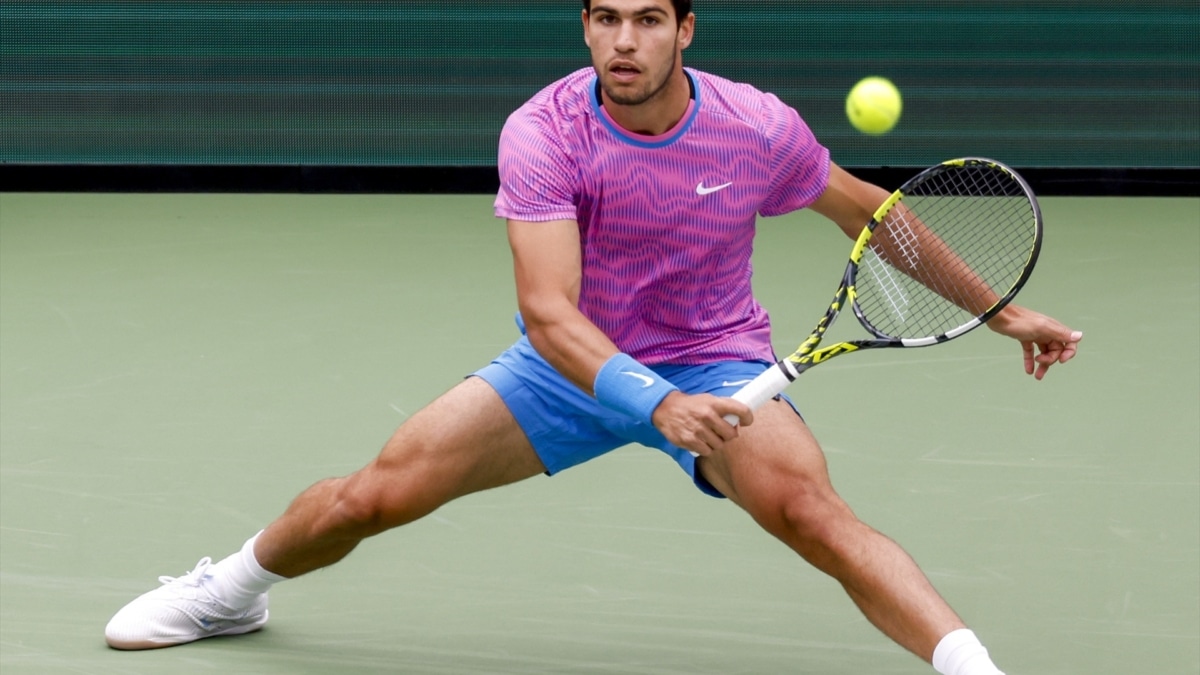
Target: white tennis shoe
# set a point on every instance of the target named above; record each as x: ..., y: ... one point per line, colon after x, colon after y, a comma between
x: 182, y: 610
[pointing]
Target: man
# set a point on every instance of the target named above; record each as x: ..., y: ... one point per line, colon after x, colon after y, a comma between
x: 630, y: 191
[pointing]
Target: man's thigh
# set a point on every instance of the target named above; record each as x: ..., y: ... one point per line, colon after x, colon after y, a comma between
x: 772, y: 459
x: 565, y: 426
x: 464, y: 441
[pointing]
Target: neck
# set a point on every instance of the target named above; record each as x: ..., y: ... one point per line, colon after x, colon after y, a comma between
x: 658, y: 114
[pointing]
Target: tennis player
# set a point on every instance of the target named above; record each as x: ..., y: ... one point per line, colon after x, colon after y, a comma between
x: 631, y: 191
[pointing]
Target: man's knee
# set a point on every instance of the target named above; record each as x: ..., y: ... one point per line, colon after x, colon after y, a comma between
x: 816, y: 523
x: 379, y: 497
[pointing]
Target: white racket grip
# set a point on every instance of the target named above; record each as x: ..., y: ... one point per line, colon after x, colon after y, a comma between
x: 761, y: 389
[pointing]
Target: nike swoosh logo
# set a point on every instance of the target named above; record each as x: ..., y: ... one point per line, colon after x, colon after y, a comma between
x: 736, y: 384
x: 647, y: 381
x: 701, y: 190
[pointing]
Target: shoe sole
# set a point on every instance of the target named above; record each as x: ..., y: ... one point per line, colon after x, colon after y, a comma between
x: 139, y: 645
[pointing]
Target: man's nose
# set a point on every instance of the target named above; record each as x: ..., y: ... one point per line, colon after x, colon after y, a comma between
x: 626, y: 38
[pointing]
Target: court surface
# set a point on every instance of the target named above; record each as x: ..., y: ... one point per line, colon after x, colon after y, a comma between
x: 175, y: 368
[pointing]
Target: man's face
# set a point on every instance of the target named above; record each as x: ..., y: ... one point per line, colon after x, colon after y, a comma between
x: 635, y: 45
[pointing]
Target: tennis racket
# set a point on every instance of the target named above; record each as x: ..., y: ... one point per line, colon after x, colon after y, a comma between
x: 942, y: 255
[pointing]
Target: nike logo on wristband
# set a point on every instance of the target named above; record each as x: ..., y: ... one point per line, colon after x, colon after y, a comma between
x: 646, y: 381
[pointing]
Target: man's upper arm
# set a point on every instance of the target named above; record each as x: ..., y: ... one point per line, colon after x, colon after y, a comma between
x: 798, y: 161
x: 538, y: 177
x: 546, y: 264
x: 848, y: 201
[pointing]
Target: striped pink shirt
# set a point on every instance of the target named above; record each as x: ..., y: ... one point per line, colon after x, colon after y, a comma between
x: 666, y: 223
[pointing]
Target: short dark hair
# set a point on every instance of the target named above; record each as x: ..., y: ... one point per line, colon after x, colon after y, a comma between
x: 682, y: 8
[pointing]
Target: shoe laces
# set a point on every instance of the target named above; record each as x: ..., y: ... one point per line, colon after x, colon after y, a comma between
x: 192, y: 578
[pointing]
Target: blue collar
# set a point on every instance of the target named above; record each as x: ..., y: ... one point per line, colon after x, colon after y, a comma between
x: 632, y: 138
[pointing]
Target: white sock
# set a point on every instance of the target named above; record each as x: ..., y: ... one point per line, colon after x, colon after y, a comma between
x: 960, y: 653
x: 239, y: 578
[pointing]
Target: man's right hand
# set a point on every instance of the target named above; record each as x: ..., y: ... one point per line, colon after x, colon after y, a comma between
x: 697, y: 422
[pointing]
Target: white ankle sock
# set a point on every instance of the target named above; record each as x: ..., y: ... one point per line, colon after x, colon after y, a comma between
x: 960, y: 653
x: 239, y: 578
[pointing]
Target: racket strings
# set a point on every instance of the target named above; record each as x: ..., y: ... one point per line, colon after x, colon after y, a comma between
x: 957, y: 243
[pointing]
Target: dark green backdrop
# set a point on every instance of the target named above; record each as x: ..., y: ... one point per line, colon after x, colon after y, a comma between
x: 1061, y: 84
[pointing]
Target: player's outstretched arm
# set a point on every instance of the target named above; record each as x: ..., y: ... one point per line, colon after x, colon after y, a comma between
x: 1044, y: 340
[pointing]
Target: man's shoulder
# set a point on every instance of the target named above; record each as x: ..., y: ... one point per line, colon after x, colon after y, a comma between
x: 559, y: 103
x: 738, y: 100
x: 725, y: 85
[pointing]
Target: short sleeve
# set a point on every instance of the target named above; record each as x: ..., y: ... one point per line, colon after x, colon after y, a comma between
x: 799, y: 164
x: 538, y: 180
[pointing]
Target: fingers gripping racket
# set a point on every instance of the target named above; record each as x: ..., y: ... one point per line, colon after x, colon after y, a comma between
x: 942, y: 255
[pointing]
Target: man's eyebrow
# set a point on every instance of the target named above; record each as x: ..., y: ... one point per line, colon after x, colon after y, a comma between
x: 649, y: 9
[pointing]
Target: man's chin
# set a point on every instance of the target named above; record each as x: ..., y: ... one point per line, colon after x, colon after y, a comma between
x: 622, y: 95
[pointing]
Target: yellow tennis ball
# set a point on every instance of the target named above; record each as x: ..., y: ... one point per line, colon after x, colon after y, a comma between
x: 874, y: 105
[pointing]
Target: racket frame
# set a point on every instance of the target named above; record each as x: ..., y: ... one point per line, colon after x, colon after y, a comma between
x: 775, y: 379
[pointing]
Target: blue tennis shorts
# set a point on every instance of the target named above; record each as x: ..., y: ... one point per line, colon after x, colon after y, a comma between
x: 568, y: 427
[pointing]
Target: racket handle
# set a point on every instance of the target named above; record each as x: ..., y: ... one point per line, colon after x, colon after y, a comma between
x: 769, y: 384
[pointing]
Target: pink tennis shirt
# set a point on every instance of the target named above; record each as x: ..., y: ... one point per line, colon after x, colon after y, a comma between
x: 666, y: 223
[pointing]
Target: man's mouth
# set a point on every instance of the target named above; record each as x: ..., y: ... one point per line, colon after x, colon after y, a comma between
x: 624, y: 71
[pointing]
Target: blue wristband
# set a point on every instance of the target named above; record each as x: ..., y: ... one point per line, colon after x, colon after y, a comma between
x: 624, y: 385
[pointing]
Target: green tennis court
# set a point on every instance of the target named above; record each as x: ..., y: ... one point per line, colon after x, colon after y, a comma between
x: 175, y: 368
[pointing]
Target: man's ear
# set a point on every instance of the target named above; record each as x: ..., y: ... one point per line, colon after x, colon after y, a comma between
x: 687, y: 30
